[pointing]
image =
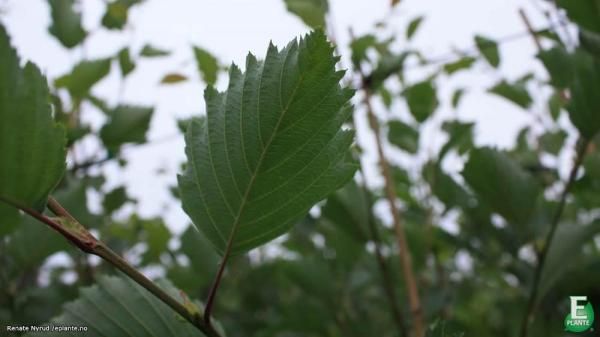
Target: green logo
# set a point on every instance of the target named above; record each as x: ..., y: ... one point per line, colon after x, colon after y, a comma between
x: 581, y: 317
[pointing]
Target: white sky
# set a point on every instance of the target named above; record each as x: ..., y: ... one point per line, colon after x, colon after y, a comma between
x: 231, y: 28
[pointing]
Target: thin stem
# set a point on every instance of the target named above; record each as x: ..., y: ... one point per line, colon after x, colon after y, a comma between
x: 531, y: 304
x: 85, y: 241
x: 210, y: 301
x: 386, y: 276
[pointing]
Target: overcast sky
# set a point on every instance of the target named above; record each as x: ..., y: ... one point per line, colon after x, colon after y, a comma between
x: 231, y: 28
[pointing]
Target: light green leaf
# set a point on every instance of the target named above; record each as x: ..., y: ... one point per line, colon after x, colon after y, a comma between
x: 173, y: 78
x: 271, y: 147
x: 312, y: 12
x: 584, y: 106
x: 117, y: 13
x: 127, y: 124
x: 83, y: 77
x: 413, y: 26
x: 422, y: 100
x: 516, y: 93
x: 462, y: 64
x: 118, y: 307
x: 502, y: 184
x: 208, y: 66
x: 403, y: 136
x: 457, y: 96
x: 31, y: 143
x: 489, y: 49
x: 151, y: 51
x: 66, y: 23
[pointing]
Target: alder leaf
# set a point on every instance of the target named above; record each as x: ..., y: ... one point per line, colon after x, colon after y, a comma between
x: 31, y: 143
x: 118, y: 307
x: 271, y: 147
x: 66, y: 23
x: 312, y: 12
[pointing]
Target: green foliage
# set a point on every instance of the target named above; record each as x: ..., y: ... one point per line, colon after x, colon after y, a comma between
x: 403, y: 136
x: 584, y: 106
x: 422, y: 100
x: 514, y: 92
x: 127, y: 124
x: 152, y: 51
x: 26, y: 127
x: 66, y: 23
x: 489, y: 50
x: 413, y: 26
x: 126, y: 64
x: 208, y: 65
x: 502, y: 184
x: 312, y: 12
x: 288, y: 150
x: 83, y: 77
x: 132, y: 311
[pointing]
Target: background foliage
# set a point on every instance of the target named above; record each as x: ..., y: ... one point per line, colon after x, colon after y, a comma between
x: 476, y: 235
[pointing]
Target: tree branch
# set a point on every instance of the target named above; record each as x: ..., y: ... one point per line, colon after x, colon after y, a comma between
x: 532, y: 302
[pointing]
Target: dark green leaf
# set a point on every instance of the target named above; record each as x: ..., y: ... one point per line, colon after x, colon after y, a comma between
x: 403, y: 136
x: 462, y: 64
x: 32, y: 242
x: 360, y: 46
x: 31, y: 143
x: 83, y: 77
x: 66, y: 23
x: 559, y: 65
x: 312, y: 12
x: 422, y: 100
x: 584, y: 13
x: 460, y: 137
x: 125, y: 62
x: 118, y: 307
x: 151, y: 51
x: 9, y: 219
x: 127, y: 124
x: 502, y: 184
x: 553, y: 142
x: 457, y: 97
x: 413, y: 26
x: 115, y: 199
x: 590, y: 41
x: 516, y: 93
x: 555, y: 105
x: 389, y: 65
x: 262, y: 159
x: 584, y: 106
x: 208, y: 66
x: 489, y: 49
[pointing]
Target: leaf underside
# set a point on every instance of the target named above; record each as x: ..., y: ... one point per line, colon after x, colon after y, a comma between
x: 271, y: 147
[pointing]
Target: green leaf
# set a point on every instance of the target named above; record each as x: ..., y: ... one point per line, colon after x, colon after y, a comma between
x: 360, y: 46
x: 9, y: 219
x: 460, y: 137
x: 552, y: 142
x: 118, y: 307
x: 117, y: 13
x: 584, y: 106
x: 413, y: 26
x: 83, y: 77
x: 422, y: 100
x: 584, y: 13
x: 516, y: 93
x: 31, y: 143
x: 151, y: 51
x: 157, y: 237
x: 502, y: 184
x: 403, y: 136
x: 349, y: 211
x: 590, y: 41
x: 559, y: 65
x: 31, y: 243
x: 462, y: 64
x: 555, y: 105
x: 127, y: 124
x: 125, y: 62
x: 114, y: 200
x: 568, y: 243
x: 173, y: 78
x: 271, y: 147
x: 457, y: 97
x: 66, y: 23
x: 208, y: 66
x: 312, y: 12
x: 489, y: 49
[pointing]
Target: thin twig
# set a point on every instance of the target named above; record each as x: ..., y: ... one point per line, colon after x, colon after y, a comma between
x: 85, y: 241
x: 531, y: 304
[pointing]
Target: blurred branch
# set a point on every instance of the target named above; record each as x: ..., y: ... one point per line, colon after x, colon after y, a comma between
x: 532, y: 302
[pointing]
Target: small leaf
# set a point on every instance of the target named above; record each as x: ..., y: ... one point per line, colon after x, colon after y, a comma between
x: 422, y: 100
x: 83, y: 77
x: 66, y: 23
x: 117, y: 13
x: 555, y: 105
x: 516, y: 93
x: 552, y: 142
x: 114, y: 200
x: 413, y: 26
x: 462, y: 64
x: 489, y: 49
x: 360, y: 46
x: 584, y: 106
x: 403, y: 136
x: 125, y: 62
x: 558, y: 62
x: 271, y: 147
x: 312, y: 12
x: 460, y: 137
x: 133, y: 311
x: 31, y: 143
x: 173, y: 78
x: 457, y: 97
x: 502, y: 184
x: 208, y: 66
x: 151, y: 51
x: 127, y: 124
